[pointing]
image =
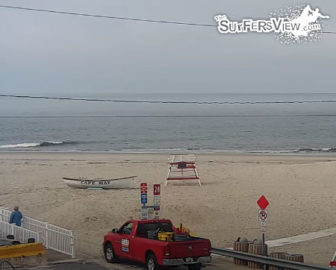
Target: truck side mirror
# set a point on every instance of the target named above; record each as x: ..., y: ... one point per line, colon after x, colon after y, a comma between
x: 115, y: 230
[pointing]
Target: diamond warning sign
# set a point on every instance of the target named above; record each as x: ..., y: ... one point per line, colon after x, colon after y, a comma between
x: 262, y: 202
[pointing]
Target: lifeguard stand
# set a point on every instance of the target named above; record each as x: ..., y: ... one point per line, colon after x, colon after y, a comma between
x: 333, y: 261
x: 182, y: 167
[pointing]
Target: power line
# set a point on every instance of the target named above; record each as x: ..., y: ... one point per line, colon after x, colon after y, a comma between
x: 118, y: 17
x: 107, y: 16
x: 169, y: 102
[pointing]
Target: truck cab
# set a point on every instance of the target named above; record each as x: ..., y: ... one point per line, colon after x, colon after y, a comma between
x: 137, y: 240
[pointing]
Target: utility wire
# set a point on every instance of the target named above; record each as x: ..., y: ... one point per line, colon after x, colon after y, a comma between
x: 146, y: 101
x: 118, y: 18
x: 168, y: 102
x: 107, y: 16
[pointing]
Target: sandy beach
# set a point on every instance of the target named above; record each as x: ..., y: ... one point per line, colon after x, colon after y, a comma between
x: 300, y: 189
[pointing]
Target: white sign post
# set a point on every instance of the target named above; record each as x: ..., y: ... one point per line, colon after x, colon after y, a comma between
x: 144, y: 212
x: 150, y: 211
x: 157, y: 200
x: 263, y: 220
x: 262, y: 215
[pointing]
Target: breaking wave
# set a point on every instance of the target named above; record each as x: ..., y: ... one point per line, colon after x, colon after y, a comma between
x: 323, y: 150
x: 33, y: 144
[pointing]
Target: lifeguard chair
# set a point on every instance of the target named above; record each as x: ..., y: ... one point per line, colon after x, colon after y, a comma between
x: 182, y: 167
x: 333, y: 261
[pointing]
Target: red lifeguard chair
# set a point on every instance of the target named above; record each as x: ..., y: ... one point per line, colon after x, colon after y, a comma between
x: 333, y: 261
x: 182, y: 167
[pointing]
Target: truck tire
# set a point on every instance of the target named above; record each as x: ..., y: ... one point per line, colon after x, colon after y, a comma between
x: 197, y: 266
x: 109, y: 253
x: 151, y: 262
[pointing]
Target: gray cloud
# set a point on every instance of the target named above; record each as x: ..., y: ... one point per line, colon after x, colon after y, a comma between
x: 76, y: 56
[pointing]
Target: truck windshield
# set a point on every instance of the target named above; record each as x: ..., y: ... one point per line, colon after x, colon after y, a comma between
x: 144, y: 228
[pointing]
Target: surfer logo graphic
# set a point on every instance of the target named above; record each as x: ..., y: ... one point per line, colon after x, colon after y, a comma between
x: 292, y: 25
x: 307, y: 22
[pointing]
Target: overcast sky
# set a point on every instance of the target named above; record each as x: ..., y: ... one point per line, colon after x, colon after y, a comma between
x: 78, y: 56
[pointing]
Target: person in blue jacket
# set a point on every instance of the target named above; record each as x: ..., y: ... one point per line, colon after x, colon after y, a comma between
x: 16, y: 216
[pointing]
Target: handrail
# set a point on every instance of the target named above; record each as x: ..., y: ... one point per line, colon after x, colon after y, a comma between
x: 21, y: 234
x: 6, y: 265
x: 266, y: 260
x: 52, y: 236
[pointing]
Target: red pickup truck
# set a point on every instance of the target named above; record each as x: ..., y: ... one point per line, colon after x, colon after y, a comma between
x: 137, y: 240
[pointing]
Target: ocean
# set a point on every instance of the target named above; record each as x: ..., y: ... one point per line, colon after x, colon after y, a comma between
x: 55, y: 125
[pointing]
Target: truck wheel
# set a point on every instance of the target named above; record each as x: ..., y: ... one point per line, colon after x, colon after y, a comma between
x: 151, y: 262
x: 197, y: 266
x: 109, y: 253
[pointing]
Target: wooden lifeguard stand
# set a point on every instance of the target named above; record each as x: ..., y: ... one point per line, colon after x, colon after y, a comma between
x: 182, y: 167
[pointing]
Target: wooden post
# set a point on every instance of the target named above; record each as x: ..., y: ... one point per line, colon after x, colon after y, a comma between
x: 294, y: 258
x: 278, y: 255
x: 259, y: 249
x: 243, y: 247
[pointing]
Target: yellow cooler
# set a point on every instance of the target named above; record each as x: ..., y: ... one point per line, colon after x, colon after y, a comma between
x: 165, y: 236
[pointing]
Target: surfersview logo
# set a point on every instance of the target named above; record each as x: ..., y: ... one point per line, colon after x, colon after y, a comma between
x: 292, y: 25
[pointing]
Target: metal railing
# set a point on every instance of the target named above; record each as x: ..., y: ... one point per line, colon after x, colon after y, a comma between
x: 19, y: 233
x: 6, y: 265
x: 266, y: 260
x: 51, y: 236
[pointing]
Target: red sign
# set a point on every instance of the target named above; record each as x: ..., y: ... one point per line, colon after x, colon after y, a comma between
x: 157, y: 189
x: 262, y: 202
x: 143, y: 188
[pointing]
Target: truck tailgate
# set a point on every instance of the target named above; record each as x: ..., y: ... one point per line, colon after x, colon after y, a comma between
x: 191, y: 248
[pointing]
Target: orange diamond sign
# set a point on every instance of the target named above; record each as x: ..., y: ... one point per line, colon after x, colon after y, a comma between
x: 262, y: 202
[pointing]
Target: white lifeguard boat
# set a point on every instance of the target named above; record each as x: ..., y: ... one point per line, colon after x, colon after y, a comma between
x: 113, y: 183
